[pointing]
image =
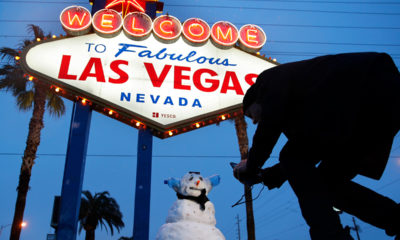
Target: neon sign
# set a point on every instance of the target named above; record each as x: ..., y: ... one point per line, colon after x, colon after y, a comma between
x: 107, y: 22
x: 137, y: 25
x: 196, y: 30
x: 126, y: 6
x: 160, y: 74
x: 76, y: 21
x: 251, y: 37
x: 224, y: 34
x: 167, y: 27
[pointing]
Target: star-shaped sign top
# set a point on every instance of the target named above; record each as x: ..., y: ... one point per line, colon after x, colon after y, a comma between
x: 126, y: 6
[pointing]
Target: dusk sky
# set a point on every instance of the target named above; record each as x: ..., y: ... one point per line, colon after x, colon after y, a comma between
x: 295, y: 29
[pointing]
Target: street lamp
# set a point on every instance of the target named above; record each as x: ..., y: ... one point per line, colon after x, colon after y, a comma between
x: 23, y: 224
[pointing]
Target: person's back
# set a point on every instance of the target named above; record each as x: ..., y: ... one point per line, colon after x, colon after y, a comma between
x: 341, y: 111
x: 335, y: 101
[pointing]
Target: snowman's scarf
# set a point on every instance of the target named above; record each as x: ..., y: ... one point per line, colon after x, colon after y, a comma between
x: 201, y: 200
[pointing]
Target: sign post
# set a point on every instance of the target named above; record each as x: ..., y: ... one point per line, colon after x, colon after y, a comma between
x: 141, y: 219
x: 73, y: 172
x: 143, y: 185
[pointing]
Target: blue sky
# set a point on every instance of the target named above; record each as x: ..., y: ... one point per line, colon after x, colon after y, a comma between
x: 295, y: 30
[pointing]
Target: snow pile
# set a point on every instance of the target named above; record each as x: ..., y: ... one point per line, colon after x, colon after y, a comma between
x: 192, y: 216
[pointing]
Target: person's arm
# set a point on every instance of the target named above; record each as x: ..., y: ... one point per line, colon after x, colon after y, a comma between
x: 274, y: 102
x: 264, y: 140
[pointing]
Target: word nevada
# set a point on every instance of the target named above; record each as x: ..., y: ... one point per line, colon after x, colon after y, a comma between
x: 77, y: 20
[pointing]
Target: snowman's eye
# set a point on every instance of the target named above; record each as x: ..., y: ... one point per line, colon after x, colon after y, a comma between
x: 191, y: 178
x: 201, y: 178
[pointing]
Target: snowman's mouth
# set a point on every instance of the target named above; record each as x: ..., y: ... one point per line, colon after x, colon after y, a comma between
x: 198, y: 189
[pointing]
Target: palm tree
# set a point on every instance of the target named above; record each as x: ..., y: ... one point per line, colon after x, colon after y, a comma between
x: 29, y: 95
x: 241, y: 132
x: 96, y: 209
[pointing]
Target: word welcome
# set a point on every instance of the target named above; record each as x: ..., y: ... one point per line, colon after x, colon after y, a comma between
x: 77, y: 20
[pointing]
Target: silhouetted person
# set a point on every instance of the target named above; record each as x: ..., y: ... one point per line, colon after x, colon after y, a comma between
x: 340, y: 114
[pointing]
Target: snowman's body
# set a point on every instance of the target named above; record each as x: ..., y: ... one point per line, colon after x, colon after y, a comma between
x: 193, y: 218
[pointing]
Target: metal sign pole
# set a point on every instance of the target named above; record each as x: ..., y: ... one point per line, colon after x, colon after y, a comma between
x: 141, y: 221
x: 143, y: 186
x: 75, y: 165
x: 73, y: 172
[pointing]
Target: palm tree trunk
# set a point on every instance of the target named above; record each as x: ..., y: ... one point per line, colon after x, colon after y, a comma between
x: 90, y: 234
x: 241, y: 132
x: 32, y: 143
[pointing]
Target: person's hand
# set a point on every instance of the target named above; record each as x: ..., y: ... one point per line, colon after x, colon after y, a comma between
x: 273, y: 177
x: 245, y: 175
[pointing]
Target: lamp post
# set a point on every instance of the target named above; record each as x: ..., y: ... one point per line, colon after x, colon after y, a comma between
x: 23, y: 224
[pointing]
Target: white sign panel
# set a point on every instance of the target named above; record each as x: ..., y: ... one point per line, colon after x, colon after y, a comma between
x: 164, y: 84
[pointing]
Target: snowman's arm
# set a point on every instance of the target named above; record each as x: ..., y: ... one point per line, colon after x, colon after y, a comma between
x: 173, y: 183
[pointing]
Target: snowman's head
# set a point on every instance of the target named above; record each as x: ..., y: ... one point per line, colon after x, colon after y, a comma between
x: 192, y: 184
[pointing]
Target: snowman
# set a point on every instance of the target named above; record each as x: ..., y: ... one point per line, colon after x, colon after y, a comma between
x: 192, y: 216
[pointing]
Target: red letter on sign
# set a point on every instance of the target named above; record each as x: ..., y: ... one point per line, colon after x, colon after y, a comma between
x: 178, y: 77
x: 251, y: 78
x: 123, y: 76
x: 98, y: 70
x: 63, y: 73
x: 155, y: 80
x: 197, y: 80
x: 236, y: 85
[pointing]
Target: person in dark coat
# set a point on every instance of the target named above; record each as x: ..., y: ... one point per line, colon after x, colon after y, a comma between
x: 340, y: 114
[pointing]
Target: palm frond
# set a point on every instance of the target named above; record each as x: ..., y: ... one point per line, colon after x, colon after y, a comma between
x: 25, y: 100
x: 8, y: 53
x: 35, y: 30
x: 55, y: 105
x: 102, y: 210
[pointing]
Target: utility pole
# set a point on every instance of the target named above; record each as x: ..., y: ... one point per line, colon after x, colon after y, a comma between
x: 356, y: 228
x: 238, y: 225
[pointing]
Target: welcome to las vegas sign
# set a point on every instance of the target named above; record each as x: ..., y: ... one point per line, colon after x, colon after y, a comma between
x: 161, y: 74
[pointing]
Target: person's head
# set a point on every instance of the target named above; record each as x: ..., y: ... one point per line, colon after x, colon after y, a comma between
x: 254, y: 112
x: 251, y: 108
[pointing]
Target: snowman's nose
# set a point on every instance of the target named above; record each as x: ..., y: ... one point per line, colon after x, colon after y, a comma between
x: 197, y: 182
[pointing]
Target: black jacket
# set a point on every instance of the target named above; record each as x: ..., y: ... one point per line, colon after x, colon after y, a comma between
x: 341, y: 105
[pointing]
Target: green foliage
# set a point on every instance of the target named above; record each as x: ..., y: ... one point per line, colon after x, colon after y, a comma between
x: 99, y: 209
x: 13, y: 78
